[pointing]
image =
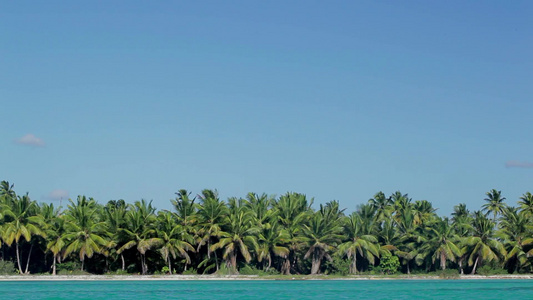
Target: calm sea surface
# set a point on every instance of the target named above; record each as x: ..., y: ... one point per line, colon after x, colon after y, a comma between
x: 257, y: 289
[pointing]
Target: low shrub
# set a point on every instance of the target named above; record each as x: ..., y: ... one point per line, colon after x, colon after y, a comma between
x: 7, y: 267
x: 487, y: 270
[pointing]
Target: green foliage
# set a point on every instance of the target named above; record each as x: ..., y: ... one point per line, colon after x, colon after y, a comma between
x: 191, y: 271
x: 249, y: 270
x: 7, y: 267
x: 488, y: 270
x: 121, y: 272
x: 68, y: 266
x: 389, y: 264
x: 338, y: 266
x: 448, y: 274
x: 165, y: 270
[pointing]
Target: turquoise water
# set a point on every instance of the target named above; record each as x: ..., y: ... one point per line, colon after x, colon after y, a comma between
x: 258, y: 289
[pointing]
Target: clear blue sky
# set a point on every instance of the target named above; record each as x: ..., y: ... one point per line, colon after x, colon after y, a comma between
x: 334, y: 99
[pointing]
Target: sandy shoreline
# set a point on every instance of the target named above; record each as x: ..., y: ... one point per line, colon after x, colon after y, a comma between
x: 236, y: 277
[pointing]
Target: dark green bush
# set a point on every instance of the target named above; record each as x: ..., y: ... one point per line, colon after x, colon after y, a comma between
x: 7, y: 267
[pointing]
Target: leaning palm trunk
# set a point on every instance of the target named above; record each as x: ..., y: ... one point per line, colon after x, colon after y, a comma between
x: 54, y: 265
x: 475, y: 266
x: 18, y: 258
x: 28, y: 261
x: 443, y: 261
x: 123, y: 262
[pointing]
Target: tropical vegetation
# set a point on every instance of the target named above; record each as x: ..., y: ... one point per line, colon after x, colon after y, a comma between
x: 262, y: 234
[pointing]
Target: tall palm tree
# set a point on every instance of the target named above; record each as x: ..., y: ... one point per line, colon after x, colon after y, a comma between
x: 515, y: 231
x: 323, y: 233
x: 495, y: 203
x: 173, y: 239
x: 441, y: 243
x: 211, y: 215
x: 360, y: 242
x: 293, y: 210
x: 423, y: 212
x: 482, y: 243
x: 86, y: 233
x: 115, y: 217
x: 238, y: 236
x: 56, y: 239
x: 21, y: 220
x: 526, y: 204
x: 140, y: 231
x: 259, y: 205
x: 272, y: 240
x: 382, y: 206
x: 185, y: 208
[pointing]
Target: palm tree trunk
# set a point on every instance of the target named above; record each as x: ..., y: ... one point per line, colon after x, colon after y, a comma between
x: 442, y: 261
x: 269, y: 262
x: 475, y: 265
x: 408, y: 270
x: 123, y: 262
x: 286, y: 266
x: 82, y: 262
x: 233, y: 262
x: 216, y: 260
x: 461, y: 266
x: 143, y: 265
x: 169, y: 266
x: 353, y: 267
x: 54, y: 265
x: 28, y: 261
x: 315, y: 263
x: 18, y: 258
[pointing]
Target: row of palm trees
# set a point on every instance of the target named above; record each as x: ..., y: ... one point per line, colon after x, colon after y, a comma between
x: 276, y: 234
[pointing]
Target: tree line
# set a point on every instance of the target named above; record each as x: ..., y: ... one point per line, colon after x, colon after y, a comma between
x: 203, y: 234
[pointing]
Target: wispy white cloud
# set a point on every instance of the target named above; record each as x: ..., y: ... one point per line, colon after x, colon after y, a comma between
x: 30, y: 140
x: 58, y: 194
x: 518, y: 164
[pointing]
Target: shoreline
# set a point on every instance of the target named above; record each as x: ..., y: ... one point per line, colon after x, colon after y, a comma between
x: 243, y: 277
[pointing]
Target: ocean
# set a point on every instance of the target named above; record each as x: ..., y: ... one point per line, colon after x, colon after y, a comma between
x: 269, y: 289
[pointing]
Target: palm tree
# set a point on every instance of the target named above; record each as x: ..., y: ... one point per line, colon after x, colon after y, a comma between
x: 85, y: 234
x: 56, y: 239
x: 272, y: 240
x: 441, y: 242
x: 238, y: 235
x: 185, y: 208
x: 515, y: 231
x: 323, y: 234
x: 293, y: 211
x: 495, y: 203
x: 211, y: 214
x: 409, y: 240
x: 259, y: 205
x: 382, y: 206
x: 115, y: 218
x: 483, y: 246
x: 360, y: 242
x: 526, y: 204
x: 173, y: 239
x: 423, y: 212
x: 21, y: 220
x: 139, y: 231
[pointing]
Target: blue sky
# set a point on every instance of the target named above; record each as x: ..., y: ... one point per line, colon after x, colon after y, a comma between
x: 334, y: 99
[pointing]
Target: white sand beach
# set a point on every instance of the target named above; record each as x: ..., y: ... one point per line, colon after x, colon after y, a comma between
x: 239, y: 277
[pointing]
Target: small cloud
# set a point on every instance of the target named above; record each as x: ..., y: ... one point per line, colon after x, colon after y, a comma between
x: 30, y: 140
x: 518, y: 164
x: 58, y: 195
